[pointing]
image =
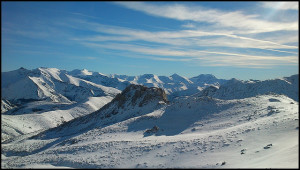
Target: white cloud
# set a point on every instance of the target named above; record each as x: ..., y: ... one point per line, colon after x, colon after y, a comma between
x: 210, y: 58
x: 183, y: 45
x: 177, y: 38
x: 189, y: 25
x: 234, y: 19
x: 284, y: 5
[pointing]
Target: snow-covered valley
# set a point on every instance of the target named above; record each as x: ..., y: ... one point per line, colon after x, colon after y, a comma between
x: 115, y: 123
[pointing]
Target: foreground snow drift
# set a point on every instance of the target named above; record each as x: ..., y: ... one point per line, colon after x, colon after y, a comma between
x: 191, y: 132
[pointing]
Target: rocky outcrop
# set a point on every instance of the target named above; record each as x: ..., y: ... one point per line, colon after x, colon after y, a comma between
x: 135, y: 100
x: 139, y: 95
x: 6, y: 105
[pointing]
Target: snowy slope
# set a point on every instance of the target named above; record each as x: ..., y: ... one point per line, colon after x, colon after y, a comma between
x: 80, y: 73
x: 42, y: 98
x: 25, y: 84
x: 13, y: 76
x: 140, y: 129
x: 135, y: 100
x: 100, y: 79
x: 204, y: 80
x: 42, y: 115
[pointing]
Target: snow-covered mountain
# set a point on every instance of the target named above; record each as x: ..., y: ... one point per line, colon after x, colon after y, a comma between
x: 140, y: 129
x: 99, y: 78
x: 174, y: 85
x: 49, y: 84
x: 35, y: 100
x: 73, y: 86
x: 238, y: 89
x: 54, y: 118
x: 42, y: 98
x: 204, y: 80
x: 135, y: 100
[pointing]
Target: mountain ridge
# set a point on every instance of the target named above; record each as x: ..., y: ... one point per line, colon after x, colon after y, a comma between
x: 237, y: 89
x: 64, y: 86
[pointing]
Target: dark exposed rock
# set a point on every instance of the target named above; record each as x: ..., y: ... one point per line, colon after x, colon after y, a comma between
x: 153, y: 130
x: 140, y: 93
x: 268, y: 146
x: 209, y: 91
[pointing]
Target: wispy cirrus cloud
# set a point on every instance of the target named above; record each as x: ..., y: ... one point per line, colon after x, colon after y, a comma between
x: 184, y: 45
x: 185, y: 38
x: 201, y: 56
x: 234, y: 19
x: 189, y: 25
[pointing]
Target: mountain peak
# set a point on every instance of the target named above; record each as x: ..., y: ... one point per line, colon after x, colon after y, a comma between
x: 234, y: 80
x: 78, y: 72
x: 22, y: 68
x: 175, y: 74
x: 205, y: 76
x: 141, y: 95
x: 147, y: 76
x: 22, y: 71
x: 86, y: 72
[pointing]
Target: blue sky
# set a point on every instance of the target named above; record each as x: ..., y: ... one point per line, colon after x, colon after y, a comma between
x: 244, y: 40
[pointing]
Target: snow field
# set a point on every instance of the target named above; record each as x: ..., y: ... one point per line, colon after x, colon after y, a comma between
x: 216, y: 141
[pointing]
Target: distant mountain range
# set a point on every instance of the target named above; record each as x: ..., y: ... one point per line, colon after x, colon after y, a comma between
x: 62, y: 86
x: 238, y: 89
x: 54, y: 85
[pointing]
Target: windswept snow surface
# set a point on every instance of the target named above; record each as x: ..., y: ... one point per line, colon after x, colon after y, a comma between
x: 191, y: 132
x: 39, y: 116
